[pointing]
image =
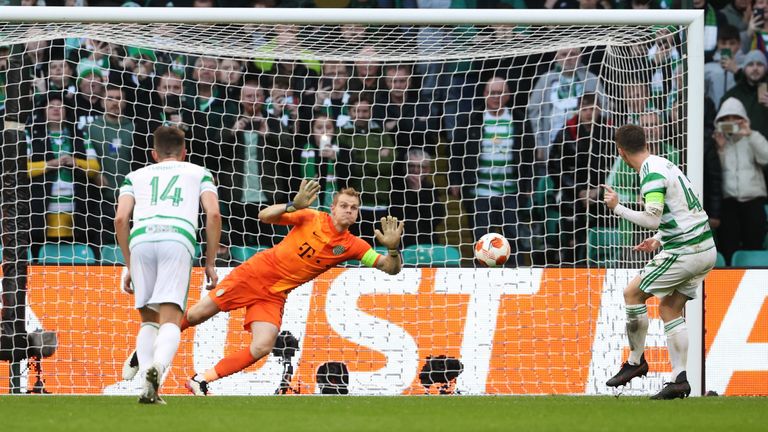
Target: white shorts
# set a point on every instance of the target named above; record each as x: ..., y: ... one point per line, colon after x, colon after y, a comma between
x: 667, y: 273
x: 160, y: 273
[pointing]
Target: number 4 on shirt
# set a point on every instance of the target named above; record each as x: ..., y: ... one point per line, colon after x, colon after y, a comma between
x: 690, y: 197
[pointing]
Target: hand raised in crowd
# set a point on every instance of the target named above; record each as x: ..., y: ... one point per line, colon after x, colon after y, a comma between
x: 587, y: 196
x: 762, y: 98
x: 729, y: 64
x: 390, y: 125
x: 285, y: 104
x: 293, y: 109
x: 756, y: 22
x: 328, y: 153
x: 256, y: 124
x: 321, y: 95
x: 175, y: 119
x: 240, y: 124
x: 720, y: 140
x: 145, y: 69
x: 390, y: 233
x: 413, y: 182
x: 326, y: 148
x: 744, y: 128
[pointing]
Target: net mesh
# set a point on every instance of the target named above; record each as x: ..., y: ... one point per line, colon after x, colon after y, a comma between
x: 325, y: 42
x: 459, y: 130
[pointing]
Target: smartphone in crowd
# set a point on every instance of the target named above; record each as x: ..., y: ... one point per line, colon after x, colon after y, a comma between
x: 727, y: 127
x: 762, y: 88
x: 325, y: 141
x: 726, y: 53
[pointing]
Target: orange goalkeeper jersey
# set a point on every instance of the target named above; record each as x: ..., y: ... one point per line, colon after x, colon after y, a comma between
x: 310, y: 248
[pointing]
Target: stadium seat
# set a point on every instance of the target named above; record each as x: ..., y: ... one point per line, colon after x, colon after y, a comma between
x: 66, y: 253
x: 750, y: 258
x: 431, y: 255
x: 546, y: 215
x: 111, y: 254
x: 242, y: 253
x: 720, y: 261
x: 603, y: 246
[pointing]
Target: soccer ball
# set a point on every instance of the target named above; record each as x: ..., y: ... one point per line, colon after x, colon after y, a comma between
x: 492, y: 250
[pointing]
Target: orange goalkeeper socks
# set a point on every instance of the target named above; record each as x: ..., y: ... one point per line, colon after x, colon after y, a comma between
x: 230, y: 364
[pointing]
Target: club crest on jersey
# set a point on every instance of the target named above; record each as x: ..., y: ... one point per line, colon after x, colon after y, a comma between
x: 338, y: 250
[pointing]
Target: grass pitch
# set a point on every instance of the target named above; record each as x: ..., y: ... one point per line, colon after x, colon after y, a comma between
x: 397, y: 414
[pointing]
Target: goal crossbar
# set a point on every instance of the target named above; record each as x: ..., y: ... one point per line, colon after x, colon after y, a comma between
x: 18, y: 14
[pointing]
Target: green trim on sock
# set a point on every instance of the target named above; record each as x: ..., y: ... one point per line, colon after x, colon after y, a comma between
x: 636, y: 310
x: 673, y: 324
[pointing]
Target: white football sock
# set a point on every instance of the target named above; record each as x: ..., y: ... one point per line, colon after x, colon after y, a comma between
x: 637, y: 328
x: 167, y: 344
x: 677, y: 343
x: 145, y: 344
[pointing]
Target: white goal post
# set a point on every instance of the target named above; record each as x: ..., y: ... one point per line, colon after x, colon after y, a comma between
x: 227, y: 34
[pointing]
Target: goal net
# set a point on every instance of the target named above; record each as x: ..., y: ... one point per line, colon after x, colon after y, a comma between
x: 458, y: 129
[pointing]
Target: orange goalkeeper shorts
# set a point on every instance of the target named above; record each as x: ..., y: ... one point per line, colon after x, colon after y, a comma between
x: 241, y: 289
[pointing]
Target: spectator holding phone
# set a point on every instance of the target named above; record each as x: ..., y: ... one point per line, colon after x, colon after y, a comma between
x: 743, y: 153
x: 757, y: 30
x: 751, y: 91
x: 317, y: 159
x: 720, y: 73
x: 255, y: 169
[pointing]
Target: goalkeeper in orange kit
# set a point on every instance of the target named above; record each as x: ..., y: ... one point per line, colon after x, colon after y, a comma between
x: 318, y: 241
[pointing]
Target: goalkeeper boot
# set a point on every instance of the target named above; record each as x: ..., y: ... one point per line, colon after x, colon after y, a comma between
x: 629, y: 371
x: 152, y: 385
x: 131, y: 366
x: 673, y: 390
x: 197, y: 387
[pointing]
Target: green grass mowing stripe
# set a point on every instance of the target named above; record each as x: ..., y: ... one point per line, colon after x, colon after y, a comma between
x: 399, y: 414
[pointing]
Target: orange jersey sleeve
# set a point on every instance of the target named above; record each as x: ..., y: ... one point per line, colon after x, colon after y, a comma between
x: 359, y: 248
x: 296, y: 218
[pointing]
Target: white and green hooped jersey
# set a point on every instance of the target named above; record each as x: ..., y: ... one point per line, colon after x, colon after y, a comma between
x: 684, y: 225
x: 167, y: 202
x: 495, y: 175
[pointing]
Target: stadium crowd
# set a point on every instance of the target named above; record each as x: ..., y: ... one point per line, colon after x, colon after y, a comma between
x: 522, y: 143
